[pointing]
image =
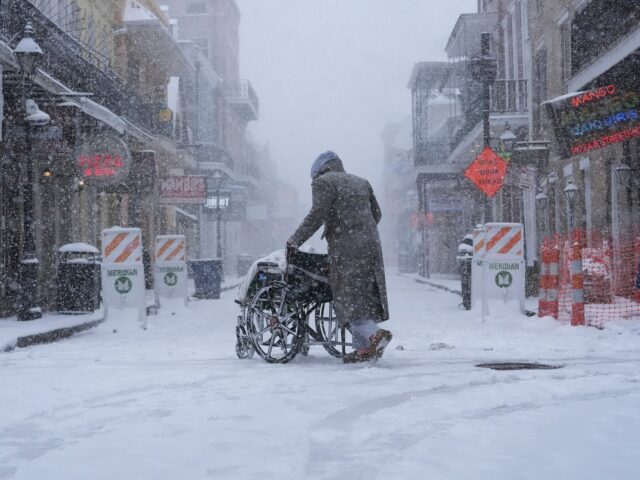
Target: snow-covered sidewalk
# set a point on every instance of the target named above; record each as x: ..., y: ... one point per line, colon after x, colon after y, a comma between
x: 174, y: 401
x: 48, y: 328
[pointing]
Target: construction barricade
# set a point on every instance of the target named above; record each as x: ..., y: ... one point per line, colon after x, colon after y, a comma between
x: 122, y: 270
x: 171, y: 267
x: 596, y: 278
x: 498, y: 268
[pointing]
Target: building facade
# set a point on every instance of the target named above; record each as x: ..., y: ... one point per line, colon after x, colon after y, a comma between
x: 117, y: 72
x: 548, y: 54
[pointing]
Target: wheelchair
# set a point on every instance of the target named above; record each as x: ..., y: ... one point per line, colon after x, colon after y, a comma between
x: 287, y: 309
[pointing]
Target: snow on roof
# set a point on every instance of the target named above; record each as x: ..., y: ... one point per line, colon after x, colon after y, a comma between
x: 78, y: 247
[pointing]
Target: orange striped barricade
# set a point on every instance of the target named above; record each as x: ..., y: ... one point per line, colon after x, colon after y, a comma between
x: 171, y: 267
x: 504, y: 265
x: 122, y: 270
x: 549, y: 279
x: 476, y: 265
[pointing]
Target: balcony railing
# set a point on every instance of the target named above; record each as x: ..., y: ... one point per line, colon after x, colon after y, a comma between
x: 242, y: 94
x: 431, y: 153
x: 509, y: 96
x: 78, y: 66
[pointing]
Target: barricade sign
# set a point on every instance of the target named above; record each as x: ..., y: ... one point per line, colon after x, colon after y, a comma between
x: 476, y: 265
x: 122, y: 269
x: 171, y: 267
x: 504, y: 266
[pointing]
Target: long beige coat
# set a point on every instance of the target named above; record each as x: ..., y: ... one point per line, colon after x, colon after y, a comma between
x: 346, y: 206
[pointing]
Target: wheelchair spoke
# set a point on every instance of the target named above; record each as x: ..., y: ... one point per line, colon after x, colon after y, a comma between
x: 271, y: 344
x: 263, y: 331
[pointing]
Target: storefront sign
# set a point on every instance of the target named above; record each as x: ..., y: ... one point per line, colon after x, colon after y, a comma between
x: 185, y: 189
x: 103, y: 159
x: 487, y: 172
x: 594, y: 119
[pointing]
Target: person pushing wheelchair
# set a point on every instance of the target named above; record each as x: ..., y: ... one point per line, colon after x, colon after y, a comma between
x: 348, y: 209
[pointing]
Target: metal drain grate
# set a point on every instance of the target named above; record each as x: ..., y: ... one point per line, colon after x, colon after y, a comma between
x: 518, y: 366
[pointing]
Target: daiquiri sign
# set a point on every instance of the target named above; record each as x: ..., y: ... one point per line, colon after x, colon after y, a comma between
x: 594, y: 119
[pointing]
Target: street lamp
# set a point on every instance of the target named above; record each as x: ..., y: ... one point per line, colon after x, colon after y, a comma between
x: 28, y: 53
x: 508, y: 138
x: 623, y: 173
x: 29, y: 57
x: 571, y: 193
x: 542, y: 200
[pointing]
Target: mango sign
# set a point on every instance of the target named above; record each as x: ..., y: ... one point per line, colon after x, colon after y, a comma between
x: 487, y: 172
x: 585, y: 121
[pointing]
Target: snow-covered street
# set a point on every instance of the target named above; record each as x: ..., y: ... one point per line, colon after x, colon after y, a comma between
x: 174, y: 402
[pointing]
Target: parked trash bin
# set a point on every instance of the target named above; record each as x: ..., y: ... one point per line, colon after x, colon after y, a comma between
x: 78, y: 278
x: 244, y: 264
x: 207, y: 277
x: 465, y: 258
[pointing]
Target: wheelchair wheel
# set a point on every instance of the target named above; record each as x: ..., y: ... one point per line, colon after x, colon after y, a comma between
x: 336, y: 338
x: 275, y: 324
x: 244, y: 346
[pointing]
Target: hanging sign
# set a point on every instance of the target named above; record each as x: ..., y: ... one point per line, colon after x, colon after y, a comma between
x: 487, y: 172
x: 183, y: 189
x: 171, y: 267
x: 103, y: 159
x: 585, y: 121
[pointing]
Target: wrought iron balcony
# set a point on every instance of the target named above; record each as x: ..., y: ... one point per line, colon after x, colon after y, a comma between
x: 242, y: 95
x: 509, y: 96
x: 78, y: 66
x: 430, y: 153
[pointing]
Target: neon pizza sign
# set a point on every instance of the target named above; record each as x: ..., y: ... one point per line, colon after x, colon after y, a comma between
x: 594, y: 119
x: 103, y: 159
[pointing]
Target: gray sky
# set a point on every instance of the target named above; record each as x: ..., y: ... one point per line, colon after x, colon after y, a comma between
x: 331, y: 73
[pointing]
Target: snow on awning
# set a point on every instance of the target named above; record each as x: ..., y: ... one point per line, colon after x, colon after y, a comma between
x: 185, y: 214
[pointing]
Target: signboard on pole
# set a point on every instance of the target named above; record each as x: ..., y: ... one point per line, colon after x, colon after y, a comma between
x: 487, y: 172
x: 122, y: 269
x: 183, y: 190
x: 171, y: 267
x: 585, y: 121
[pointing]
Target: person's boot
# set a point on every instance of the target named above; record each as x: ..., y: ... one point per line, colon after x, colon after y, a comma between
x: 379, y: 342
x: 359, y: 356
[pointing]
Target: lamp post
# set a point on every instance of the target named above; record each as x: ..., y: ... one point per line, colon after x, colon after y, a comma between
x: 542, y: 202
x: 29, y: 57
x: 571, y: 193
x: 217, y: 177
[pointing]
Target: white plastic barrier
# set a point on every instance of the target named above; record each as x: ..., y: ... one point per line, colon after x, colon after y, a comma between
x: 171, y: 267
x: 476, y: 265
x: 503, y: 264
x: 123, y: 270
